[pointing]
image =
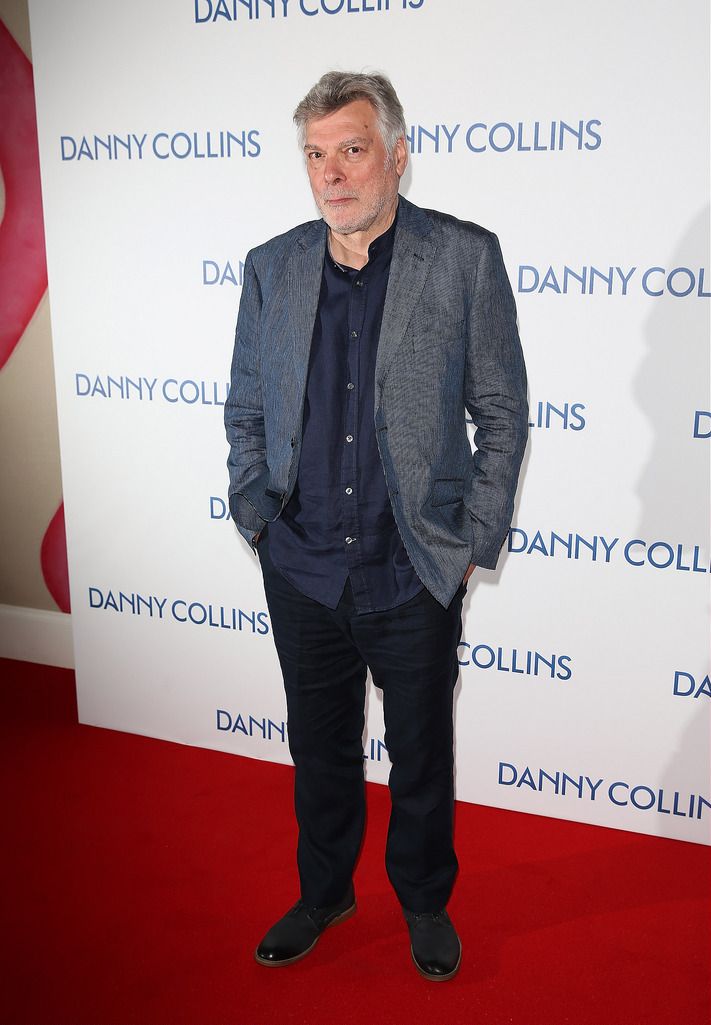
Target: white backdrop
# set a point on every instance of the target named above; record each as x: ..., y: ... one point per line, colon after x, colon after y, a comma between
x: 581, y: 136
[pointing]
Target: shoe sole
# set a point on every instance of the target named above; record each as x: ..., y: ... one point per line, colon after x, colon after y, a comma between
x: 291, y: 960
x: 436, y: 978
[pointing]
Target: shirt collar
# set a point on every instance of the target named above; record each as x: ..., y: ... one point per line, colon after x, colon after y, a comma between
x: 380, y: 246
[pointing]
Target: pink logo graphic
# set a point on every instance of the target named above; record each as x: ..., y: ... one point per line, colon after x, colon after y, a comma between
x: 54, y: 560
x: 23, y: 269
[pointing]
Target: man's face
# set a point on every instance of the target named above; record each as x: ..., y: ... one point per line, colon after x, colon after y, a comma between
x: 353, y: 178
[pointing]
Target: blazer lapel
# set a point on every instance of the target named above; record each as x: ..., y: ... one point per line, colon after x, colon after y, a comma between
x: 303, y: 289
x: 413, y: 253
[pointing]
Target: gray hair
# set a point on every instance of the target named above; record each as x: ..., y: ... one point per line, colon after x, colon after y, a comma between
x: 337, y: 88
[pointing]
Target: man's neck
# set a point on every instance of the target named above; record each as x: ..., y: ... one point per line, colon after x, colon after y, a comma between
x: 352, y: 250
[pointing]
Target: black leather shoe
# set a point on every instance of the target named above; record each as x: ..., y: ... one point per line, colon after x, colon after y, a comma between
x: 298, y: 931
x: 434, y: 944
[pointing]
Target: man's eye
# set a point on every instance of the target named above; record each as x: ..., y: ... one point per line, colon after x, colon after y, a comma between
x: 314, y: 155
x: 354, y: 149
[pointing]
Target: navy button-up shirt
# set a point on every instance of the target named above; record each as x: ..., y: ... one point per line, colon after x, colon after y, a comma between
x: 339, y: 522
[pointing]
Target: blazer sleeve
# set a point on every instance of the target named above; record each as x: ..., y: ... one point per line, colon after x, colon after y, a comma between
x: 495, y: 397
x: 244, y: 414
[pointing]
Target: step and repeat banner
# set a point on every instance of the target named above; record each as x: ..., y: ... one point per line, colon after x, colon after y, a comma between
x: 581, y: 136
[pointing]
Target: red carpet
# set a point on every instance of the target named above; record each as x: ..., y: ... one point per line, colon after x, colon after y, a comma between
x: 138, y: 876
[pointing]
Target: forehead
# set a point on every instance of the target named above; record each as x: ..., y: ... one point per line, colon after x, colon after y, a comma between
x: 355, y: 120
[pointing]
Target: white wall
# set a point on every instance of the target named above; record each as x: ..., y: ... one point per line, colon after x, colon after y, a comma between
x: 587, y: 655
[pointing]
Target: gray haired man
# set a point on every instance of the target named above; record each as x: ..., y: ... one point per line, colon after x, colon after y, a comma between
x: 363, y: 340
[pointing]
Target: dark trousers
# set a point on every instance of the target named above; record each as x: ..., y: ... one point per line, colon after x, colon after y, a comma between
x: 411, y: 651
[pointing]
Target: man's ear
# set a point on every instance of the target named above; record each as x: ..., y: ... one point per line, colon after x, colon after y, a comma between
x: 400, y: 156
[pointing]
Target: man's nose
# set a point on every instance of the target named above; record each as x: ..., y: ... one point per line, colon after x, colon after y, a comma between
x: 332, y: 171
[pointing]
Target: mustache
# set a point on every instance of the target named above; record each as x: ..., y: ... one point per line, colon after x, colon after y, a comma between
x: 329, y: 195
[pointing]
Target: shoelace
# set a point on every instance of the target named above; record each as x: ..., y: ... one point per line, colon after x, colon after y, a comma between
x: 434, y: 915
x: 300, y: 906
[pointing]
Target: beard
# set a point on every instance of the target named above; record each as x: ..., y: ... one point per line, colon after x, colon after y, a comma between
x: 368, y: 208
x: 347, y: 221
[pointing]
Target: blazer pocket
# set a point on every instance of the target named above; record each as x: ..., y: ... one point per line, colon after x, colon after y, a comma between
x: 447, y: 491
x: 438, y: 331
x: 446, y: 503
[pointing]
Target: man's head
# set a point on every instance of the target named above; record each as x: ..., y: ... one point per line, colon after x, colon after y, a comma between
x: 352, y: 131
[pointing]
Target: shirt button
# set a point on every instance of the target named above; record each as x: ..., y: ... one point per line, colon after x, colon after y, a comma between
x: 349, y: 438
x: 350, y: 386
x: 349, y: 491
x: 359, y: 284
x: 350, y: 540
x: 354, y: 334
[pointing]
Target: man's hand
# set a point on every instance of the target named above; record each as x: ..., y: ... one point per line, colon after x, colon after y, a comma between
x: 469, y: 572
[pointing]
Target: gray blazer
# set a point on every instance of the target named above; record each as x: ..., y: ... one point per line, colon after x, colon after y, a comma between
x: 448, y: 345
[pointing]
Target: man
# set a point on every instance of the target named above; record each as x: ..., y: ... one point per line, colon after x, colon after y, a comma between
x: 362, y: 340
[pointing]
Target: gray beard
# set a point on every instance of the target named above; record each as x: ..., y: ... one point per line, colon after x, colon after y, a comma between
x: 362, y: 224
